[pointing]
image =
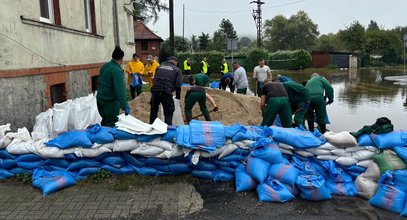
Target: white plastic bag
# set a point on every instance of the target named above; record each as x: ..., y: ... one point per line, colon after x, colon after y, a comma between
x: 60, y: 117
x: 363, y: 155
x: 21, y: 142
x: 81, y: 112
x: 43, y: 125
x: 341, y: 139
x: 346, y: 161
x: 228, y: 149
x: 177, y: 118
x: 125, y: 145
x: 4, y: 140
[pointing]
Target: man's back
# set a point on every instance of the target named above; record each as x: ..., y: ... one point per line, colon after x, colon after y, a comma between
x: 167, y: 78
x: 318, y: 86
x: 240, y: 78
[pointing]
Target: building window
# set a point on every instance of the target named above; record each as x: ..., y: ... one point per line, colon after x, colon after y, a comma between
x: 58, y: 93
x: 49, y: 11
x: 90, y: 20
x: 144, y: 45
x: 130, y: 28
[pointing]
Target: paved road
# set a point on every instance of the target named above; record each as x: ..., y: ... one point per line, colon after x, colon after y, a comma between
x: 197, y: 200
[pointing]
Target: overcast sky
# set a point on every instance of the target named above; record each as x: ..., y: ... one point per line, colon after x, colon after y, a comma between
x: 329, y: 15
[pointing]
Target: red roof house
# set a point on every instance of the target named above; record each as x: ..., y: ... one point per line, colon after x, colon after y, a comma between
x: 147, y: 42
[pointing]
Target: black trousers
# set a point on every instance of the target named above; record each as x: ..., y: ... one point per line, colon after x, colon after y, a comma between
x: 166, y: 100
x: 231, y: 87
x: 133, y: 91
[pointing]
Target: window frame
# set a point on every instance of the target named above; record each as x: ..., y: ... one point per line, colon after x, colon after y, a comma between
x: 88, y: 16
x: 50, y: 13
x: 130, y: 28
x: 146, y: 44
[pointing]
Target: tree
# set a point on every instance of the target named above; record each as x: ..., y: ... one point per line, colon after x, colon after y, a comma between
x: 328, y: 42
x: 373, y: 26
x: 245, y: 41
x: 227, y: 28
x: 203, y: 41
x: 147, y: 10
x: 297, y: 32
x: 353, y: 37
x: 385, y: 43
x: 218, y: 41
x: 194, y: 43
x: 180, y: 45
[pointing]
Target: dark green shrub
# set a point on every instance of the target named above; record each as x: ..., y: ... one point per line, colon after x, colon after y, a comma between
x: 295, y: 59
x: 253, y: 57
x: 214, y: 59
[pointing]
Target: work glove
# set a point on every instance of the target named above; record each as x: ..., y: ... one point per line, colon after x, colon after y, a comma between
x: 305, y: 106
x: 127, y: 110
x: 215, y: 109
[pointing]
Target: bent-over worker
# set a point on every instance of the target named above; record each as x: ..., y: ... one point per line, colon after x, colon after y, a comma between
x: 299, y: 100
x: 197, y: 94
x: 201, y: 79
x: 227, y: 80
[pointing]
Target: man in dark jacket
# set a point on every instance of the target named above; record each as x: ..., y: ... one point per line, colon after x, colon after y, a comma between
x: 167, y: 79
x: 111, y: 93
x: 227, y: 80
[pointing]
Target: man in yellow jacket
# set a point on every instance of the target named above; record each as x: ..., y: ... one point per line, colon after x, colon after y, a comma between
x: 150, y: 69
x: 134, y: 69
x: 204, y: 66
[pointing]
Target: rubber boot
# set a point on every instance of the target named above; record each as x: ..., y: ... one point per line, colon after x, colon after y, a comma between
x: 311, y: 126
x: 323, y: 128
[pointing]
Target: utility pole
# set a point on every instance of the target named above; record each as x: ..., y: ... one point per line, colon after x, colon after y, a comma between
x: 183, y: 24
x: 172, y: 48
x: 258, y: 20
x: 404, y: 47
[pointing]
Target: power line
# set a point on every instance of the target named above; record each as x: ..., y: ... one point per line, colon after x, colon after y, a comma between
x: 285, y: 4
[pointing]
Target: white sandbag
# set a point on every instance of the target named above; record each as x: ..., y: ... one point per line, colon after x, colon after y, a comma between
x: 18, y: 146
x: 240, y: 144
x: 21, y: 134
x: 82, y: 114
x: 304, y: 153
x: 285, y: 146
x: 175, y: 152
x: 60, y: 117
x: 372, y: 172
x: 228, y: 141
x: 346, y: 161
x: 373, y: 149
x: 327, y: 146
x: 327, y: 157
x: 341, y: 139
x: 284, y: 151
x: 195, y: 158
x: 316, y: 151
x: 247, y: 143
x: 91, y: 152
x: 341, y: 153
x: 147, y: 150
x: 177, y: 118
x: 4, y: 140
x: 367, y: 188
x: 354, y: 149
x: 186, y: 151
x: 164, y: 154
x: 363, y: 155
x: 217, y: 152
x: 165, y: 145
x: 49, y: 152
x: 4, y: 129
x: 133, y: 125
x: 228, y: 149
x: 125, y: 145
x: 364, y: 163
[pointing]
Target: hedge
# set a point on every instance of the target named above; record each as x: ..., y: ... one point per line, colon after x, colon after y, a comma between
x: 253, y: 57
x: 295, y: 59
x: 214, y: 59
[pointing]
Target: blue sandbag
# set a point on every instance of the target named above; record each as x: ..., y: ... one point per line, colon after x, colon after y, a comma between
x: 118, y: 171
x: 19, y: 170
x: 304, y: 167
x: 146, y: 171
x: 207, y: 133
x: 105, y: 155
x: 243, y: 152
x: 401, y: 152
x: 83, y: 163
x: 343, y: 189
x: 390, y: 198
x: 228, y: 170
x: 156, y: 161
x: 244, y: 182
x: 286, y: 173
x: 29, y: 165
x: 179, y: 168
x: 202, y: 174
x: 170, y: 135
x: 312, y: 187
x: 7, y: 164
x: 400, y: 179
x: 355, y: 168
x: 233, y: 158
x: 88, y: 171
x: 221, y: 176
x: 214, y: 85
x: 404, y: 212
x: 132, y: 160
x: 366, y: 140
x: 4, y: 154
x: 250, y: 133
x: 267, y: 150
x: 294, y: 137
x: 232, y: 130
x: 336, y: 174
x: 163, y: 168
x: 316, y: 165
x: 122, y: 135
x: 258, y: 169
x: 292, y: 188
x: 146, y: 138
x: 205, y: 165
x: 354, y: 175
x: 4, y: 174
x: 273, y: 191
x: 52, y: 181
x: 115, y: 161
x: 70, y: 139
x: 57, y: 162
x: 99, y: 134
x: 390, y: 140
x: 52, y: 168
x: 28, y: 158
x: 71, y: 156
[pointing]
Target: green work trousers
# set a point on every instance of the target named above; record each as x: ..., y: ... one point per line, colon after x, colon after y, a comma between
x: 299, y: 117
x: 190, y: 101
x: 280, y: 106
x: 242, y: 91
x: 318, y: 106
x: 108, y: 110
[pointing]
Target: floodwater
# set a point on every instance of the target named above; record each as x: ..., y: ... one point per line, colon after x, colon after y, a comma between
x: 361, y: 96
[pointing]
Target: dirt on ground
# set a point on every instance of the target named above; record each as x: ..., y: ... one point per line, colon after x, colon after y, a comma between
x: 233, y: 108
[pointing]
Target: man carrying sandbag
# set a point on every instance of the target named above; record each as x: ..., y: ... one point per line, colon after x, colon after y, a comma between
x: 299, y: 99
x: 319, y: 88
x: 197, y: 94
x: 274, y: 101
x: 111, y: 93
x: 134, y: 69
x: 168, y: 78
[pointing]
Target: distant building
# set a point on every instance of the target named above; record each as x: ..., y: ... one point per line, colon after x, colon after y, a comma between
x: 147, y: 42
x: 52, y: 50
x: 321, y: 59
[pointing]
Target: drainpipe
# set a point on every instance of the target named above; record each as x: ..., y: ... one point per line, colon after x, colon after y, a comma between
x: 115, y: 24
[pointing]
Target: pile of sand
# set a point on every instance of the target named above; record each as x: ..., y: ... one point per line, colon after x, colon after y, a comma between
x: 233, y: 108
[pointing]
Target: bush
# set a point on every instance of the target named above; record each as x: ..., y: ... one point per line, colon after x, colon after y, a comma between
x: 295, y: 59
x: 214, y: 59
x: 253, y: 57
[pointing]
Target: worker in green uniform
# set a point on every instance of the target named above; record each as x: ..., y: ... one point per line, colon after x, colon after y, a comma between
x: 319, y: 88
x: 201, y: 79
x: 198, y: 94
x: 274, y: 100
x: 299, y: 100
x: 111, y: 93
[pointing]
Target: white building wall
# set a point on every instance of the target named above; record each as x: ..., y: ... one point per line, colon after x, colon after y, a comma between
x: 26, y: 46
